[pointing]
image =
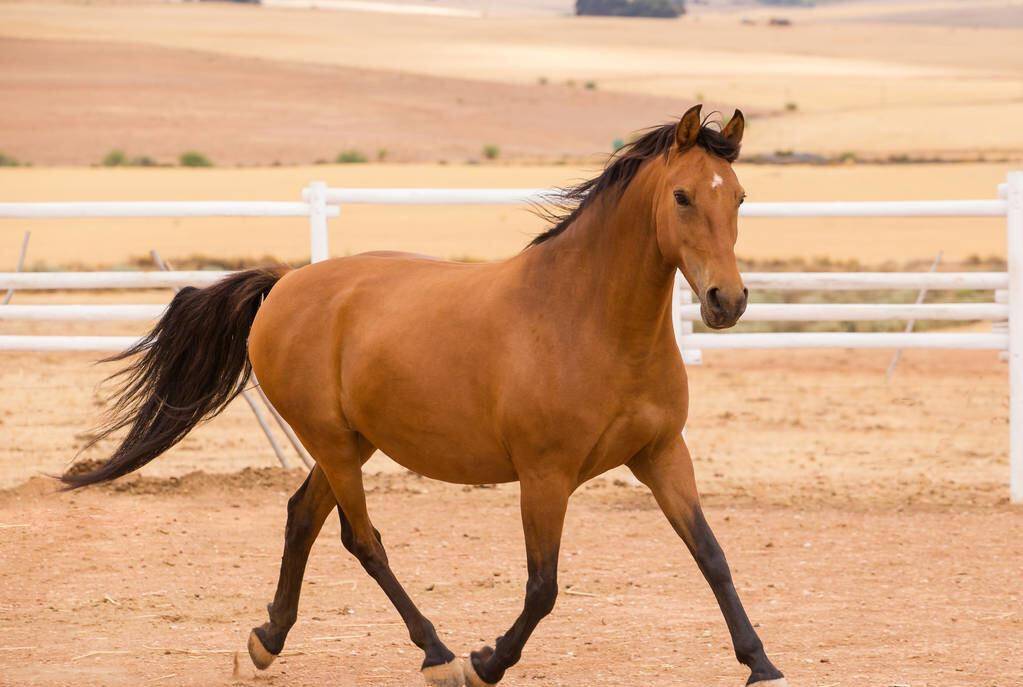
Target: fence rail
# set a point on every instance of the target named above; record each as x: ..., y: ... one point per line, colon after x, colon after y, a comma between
x: 160, y: 208
x: 758, y: 312
x: 978, y: 342
x: 81, y: 313
x: 860, y: 312
x: 861, y: 281
x: 59, y: 281
x: 319, y: 203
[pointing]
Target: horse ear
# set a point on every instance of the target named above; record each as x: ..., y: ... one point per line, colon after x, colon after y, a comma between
x: 736, y: 126
x: 688, y: 127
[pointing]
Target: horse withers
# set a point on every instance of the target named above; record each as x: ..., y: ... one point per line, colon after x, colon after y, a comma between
x: 548, y: 368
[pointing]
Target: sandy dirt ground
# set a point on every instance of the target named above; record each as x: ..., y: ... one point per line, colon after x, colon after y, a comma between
x: 474, y: 232
x: 866, y: 524
x: 833, y: 82
x: 159, y: 584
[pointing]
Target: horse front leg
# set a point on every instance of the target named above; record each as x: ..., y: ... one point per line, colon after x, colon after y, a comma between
x: 543, y: 500
x: 669, y: 475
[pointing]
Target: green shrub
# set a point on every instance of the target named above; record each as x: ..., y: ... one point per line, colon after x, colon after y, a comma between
x: 491, y: 151
x: 8, y: 161
x: 115, y: 158
x: 192, y: 158
x: 382, y: 154
x: 791, y: 106
x: 351, y: 156
x: 590, y: 85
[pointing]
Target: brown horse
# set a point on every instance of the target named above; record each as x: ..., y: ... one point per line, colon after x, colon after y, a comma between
x: 549, y: 369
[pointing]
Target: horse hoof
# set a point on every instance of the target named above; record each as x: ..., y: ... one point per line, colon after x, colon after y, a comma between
x: 261, y: 658
x: 777, y: 682
x: 445, y: 675
x: 471, y: 678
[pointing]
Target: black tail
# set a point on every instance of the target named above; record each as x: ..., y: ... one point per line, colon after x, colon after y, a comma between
x: 189, y: 367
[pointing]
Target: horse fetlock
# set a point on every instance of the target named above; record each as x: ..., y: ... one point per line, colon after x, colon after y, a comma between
x: 763, y: 672
x: 474, y: 666
x: 450, y: 674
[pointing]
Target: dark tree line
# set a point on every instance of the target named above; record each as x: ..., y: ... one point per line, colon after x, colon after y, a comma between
x: 631, y: 8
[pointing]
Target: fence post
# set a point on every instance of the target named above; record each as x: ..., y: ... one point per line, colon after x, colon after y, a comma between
x: 1014, y: 228
x: 316, y: 196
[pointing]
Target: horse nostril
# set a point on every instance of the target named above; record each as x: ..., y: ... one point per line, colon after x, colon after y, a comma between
x: 714, y: 298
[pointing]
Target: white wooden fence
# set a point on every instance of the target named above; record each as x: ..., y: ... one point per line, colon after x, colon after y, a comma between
x: 319, y: 203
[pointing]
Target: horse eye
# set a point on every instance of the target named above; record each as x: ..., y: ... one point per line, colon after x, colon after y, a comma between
x: 682, y: 199
x: 742, y: 200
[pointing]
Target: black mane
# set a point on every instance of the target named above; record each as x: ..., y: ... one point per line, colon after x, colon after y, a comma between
x: 621, y: 169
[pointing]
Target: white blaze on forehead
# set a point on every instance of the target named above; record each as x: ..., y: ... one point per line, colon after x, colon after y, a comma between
x: 716, y: 181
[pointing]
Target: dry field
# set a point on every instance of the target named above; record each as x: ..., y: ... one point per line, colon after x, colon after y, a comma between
x: 252, y: 85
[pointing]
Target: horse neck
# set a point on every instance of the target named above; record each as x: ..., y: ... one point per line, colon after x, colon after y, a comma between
x: 611, y: 264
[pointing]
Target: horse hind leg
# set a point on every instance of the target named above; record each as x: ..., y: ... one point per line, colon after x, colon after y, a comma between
x: 307, y: 510
x: 440, y: 667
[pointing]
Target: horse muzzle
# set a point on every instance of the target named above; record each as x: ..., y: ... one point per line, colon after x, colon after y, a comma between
x: 721, y: 308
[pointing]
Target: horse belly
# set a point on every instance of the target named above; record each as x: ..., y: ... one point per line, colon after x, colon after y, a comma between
x: 426, y: 418
x: 448, y: 452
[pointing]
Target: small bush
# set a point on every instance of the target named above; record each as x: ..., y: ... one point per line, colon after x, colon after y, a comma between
x: 118, y: 158
x: 617, y: 144
x: 348, y: 157
x: 491, y: 151
x: 382, y: 154
x: 8, y: 161
x: 115, y: 158
x: 543, y: 81
x: 192, y: 158
x: 590, y: 85
x: 791, y: 106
